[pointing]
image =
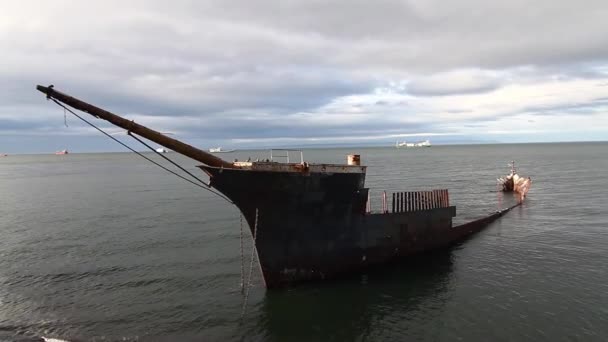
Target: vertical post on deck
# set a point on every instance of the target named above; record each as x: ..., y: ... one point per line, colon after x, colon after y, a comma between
x: 437, y: 199
x: 384, y: 205
x: 422, y: 200
x: 398, y: 203
x: 393, y: 202
x: 414, y: 194
x: 412, y: 202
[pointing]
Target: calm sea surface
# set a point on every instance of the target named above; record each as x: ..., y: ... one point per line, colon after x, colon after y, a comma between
x: 108, y: 247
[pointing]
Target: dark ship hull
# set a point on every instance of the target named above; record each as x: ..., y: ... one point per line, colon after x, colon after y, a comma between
x: 309, y: 221
x: 313, y: 225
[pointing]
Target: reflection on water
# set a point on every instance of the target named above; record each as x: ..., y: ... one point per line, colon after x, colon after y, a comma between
x: 353, y: 308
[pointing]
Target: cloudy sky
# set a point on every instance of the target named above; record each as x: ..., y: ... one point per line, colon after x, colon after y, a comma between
x: 283, y: 73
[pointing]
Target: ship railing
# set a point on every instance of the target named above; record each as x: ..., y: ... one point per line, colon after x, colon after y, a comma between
x: 284, y: 153
x: 408, y: 201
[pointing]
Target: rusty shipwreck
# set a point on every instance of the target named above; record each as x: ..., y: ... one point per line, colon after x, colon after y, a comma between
x: 310, y: 220
x: 515, y: 183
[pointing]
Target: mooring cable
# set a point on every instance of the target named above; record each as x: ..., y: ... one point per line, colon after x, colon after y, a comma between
x: 167, y: 159
x: 253, y: 257
x: 242, y: 260
x: 244, y: 291
x: 140, y: 154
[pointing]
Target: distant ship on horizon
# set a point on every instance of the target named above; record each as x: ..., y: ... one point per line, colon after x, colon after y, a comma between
x: 62, y: 152
x: 162, y: 150
x: 219, y: 150
x: 426, y: 143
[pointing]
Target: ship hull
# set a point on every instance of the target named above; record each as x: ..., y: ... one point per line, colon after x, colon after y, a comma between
x: 313, y: 226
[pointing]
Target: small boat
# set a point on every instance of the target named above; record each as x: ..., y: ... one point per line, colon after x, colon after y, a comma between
x: 513, y: 182
x: 219, y: 150
x: 425, y: 143
x: 161, y: 150
x: 3, y: 155
x: 62, y: 152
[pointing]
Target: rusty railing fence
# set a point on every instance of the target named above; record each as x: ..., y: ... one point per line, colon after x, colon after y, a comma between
x: 420, y: 200
x: 408, y: 201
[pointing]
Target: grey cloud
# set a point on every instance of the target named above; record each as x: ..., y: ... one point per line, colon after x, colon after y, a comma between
x: 475, y: 125
x: 459, y: 111
x: 268, y: 61
x: 432, y: 34
x: 260, y: 127
x: 454, y: 82
x: 276, y: 92
x: 586, y: 108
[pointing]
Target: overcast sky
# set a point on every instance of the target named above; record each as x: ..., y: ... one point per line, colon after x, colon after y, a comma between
x: 244, y: 74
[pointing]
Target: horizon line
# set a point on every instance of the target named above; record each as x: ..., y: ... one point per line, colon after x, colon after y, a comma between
x: 330, y: 146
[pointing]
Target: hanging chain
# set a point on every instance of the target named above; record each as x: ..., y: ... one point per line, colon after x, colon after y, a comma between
x: 242, y: 260
x: 253, y: 256
x: 65, y: 117
x: 141, y: 155
x: 244, y: 289
x: 168, y: 159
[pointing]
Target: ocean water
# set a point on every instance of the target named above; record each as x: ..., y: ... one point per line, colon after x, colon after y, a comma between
x: 106, y: 247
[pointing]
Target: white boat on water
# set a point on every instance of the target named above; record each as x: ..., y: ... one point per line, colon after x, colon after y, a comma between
x: 425, y: 143
x: 162, y: 150
x: 219, y: 150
